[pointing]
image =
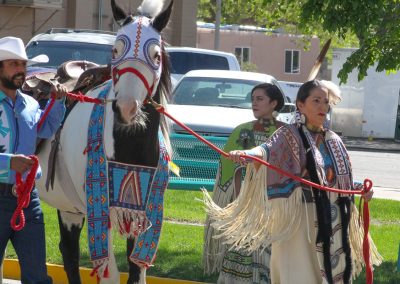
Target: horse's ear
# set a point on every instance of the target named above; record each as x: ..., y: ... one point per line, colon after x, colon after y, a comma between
x: 118, y: 13
x: 161, y: 20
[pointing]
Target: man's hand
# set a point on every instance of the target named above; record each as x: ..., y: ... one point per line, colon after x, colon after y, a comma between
x: 21, y: 163
x: 60, y: 90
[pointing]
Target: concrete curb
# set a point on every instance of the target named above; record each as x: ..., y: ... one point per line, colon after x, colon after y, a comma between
x: 12, y: 271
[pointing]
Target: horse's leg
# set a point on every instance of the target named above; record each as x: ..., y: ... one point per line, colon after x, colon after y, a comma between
x: 70, y: 231
x: 136, y: 274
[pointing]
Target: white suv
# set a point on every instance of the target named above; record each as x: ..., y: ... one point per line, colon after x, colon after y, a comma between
x: 61, y: 45
x: 185, y: 59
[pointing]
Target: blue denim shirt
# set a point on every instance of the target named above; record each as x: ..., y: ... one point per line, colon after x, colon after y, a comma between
x: 23, y: 117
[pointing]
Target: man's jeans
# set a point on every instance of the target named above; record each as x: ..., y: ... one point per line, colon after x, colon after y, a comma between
x: 29, y: 243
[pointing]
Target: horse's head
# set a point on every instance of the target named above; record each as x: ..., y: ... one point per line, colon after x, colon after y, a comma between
x: 137, y: 57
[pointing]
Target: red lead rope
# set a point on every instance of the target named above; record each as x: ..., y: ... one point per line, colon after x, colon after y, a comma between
x: 367, y: 187
x: 77, y: 97
x: 23, y: 190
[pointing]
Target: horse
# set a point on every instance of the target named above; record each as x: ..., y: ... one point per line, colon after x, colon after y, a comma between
x: 129, y: 139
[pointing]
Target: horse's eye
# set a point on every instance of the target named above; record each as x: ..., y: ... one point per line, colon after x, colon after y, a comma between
x: 114, y: 53
x: 157, y: 58
x: 120, y: 49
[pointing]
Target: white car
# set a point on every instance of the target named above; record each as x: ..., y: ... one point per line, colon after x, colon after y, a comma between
x: 290, y: 89
x: 214, y: 102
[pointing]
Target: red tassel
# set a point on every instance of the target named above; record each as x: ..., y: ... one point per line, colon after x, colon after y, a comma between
x: 127, y: 226
x: 94, y: 270
x: 106, y: 272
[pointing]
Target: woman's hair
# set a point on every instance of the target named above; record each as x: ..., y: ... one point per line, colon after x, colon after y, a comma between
x: 305, y: 91
x: 273, y: 92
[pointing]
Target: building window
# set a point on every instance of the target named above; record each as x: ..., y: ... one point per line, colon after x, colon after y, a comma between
x: 292, y: 61
x: 242, y: 54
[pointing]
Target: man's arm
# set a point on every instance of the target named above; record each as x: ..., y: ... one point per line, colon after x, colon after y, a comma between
x: 56, y: 114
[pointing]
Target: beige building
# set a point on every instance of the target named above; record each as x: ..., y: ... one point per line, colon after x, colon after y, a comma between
x: 26, y: 18
x: 282, y: 55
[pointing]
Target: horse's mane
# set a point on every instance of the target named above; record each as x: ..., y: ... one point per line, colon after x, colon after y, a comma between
x: 164, y: 89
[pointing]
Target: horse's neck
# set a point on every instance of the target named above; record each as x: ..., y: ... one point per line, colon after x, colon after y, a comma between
x: 139, y: 146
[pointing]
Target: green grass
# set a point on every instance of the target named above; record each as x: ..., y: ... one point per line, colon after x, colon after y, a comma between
x: 184, y: 205
x: 180, y: 248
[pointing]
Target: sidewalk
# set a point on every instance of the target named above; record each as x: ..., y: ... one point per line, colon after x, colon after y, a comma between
x: 377, y: 144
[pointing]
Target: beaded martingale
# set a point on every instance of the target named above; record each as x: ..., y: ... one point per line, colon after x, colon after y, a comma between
x: 128, y: 197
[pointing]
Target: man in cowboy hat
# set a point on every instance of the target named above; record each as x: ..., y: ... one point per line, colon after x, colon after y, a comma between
x: 19, y: 117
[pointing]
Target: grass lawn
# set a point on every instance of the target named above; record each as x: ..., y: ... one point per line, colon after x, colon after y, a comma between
x: 180, y: 248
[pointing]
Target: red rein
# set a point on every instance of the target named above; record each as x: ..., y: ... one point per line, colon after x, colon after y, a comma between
x: 159, y: 108
x: 367, y: 188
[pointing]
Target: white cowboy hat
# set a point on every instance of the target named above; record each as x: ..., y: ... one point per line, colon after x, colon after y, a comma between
x: 13, y: 48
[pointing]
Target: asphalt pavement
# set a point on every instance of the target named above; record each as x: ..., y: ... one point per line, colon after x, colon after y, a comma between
x: 376, y: 145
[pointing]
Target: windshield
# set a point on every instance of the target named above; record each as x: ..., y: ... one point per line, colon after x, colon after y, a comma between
x: 214, y: 92
x: 61, y: 51
x: 183, y: 62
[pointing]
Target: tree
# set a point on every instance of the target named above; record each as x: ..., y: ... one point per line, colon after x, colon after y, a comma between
x: 371, y: 25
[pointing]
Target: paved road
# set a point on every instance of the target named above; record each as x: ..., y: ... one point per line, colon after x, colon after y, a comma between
x: 382, y: 168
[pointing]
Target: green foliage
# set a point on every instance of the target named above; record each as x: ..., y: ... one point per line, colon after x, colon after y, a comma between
x: 374, y: 22
x: 371, y: 25
x: 248, y: 66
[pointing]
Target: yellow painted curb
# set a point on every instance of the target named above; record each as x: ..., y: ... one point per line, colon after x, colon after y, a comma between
x: 11, y: 270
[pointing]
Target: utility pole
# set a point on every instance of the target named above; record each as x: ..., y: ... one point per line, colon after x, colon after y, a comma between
x: 100, y: 27
x: 217, y: 24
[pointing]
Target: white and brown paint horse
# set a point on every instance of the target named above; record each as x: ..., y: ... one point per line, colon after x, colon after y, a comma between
x: 131, y: 128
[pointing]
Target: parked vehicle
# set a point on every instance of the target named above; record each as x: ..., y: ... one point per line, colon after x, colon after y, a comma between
x: 61, y: 45
x: 290, y: 89
x: 369, y: 108
x: 185, y: 59
x: 212, y: 103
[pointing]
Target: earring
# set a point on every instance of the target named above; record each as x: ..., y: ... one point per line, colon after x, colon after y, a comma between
x: 275, y: 114
x: 302, y: 118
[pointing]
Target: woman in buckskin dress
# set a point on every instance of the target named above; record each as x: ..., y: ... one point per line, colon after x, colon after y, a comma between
x: 237, y: 266
x: 315, y: 235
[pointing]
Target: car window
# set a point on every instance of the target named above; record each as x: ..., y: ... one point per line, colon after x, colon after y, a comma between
x: 183, y: 62
x: 59, y: 52
x: 214, y: 92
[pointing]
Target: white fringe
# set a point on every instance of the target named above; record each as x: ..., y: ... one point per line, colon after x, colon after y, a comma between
x: 214, y: 249
x: 251, y: 221
x: 356, y: 236
x: 138, y: 221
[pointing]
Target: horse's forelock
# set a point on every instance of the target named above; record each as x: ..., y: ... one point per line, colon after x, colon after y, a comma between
x: 151, y: 8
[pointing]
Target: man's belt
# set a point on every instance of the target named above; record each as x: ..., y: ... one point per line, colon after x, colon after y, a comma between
x: 8, y: 187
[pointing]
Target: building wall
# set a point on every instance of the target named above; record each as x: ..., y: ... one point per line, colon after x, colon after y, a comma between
x: 25, y: 21
x: 267, y: 52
